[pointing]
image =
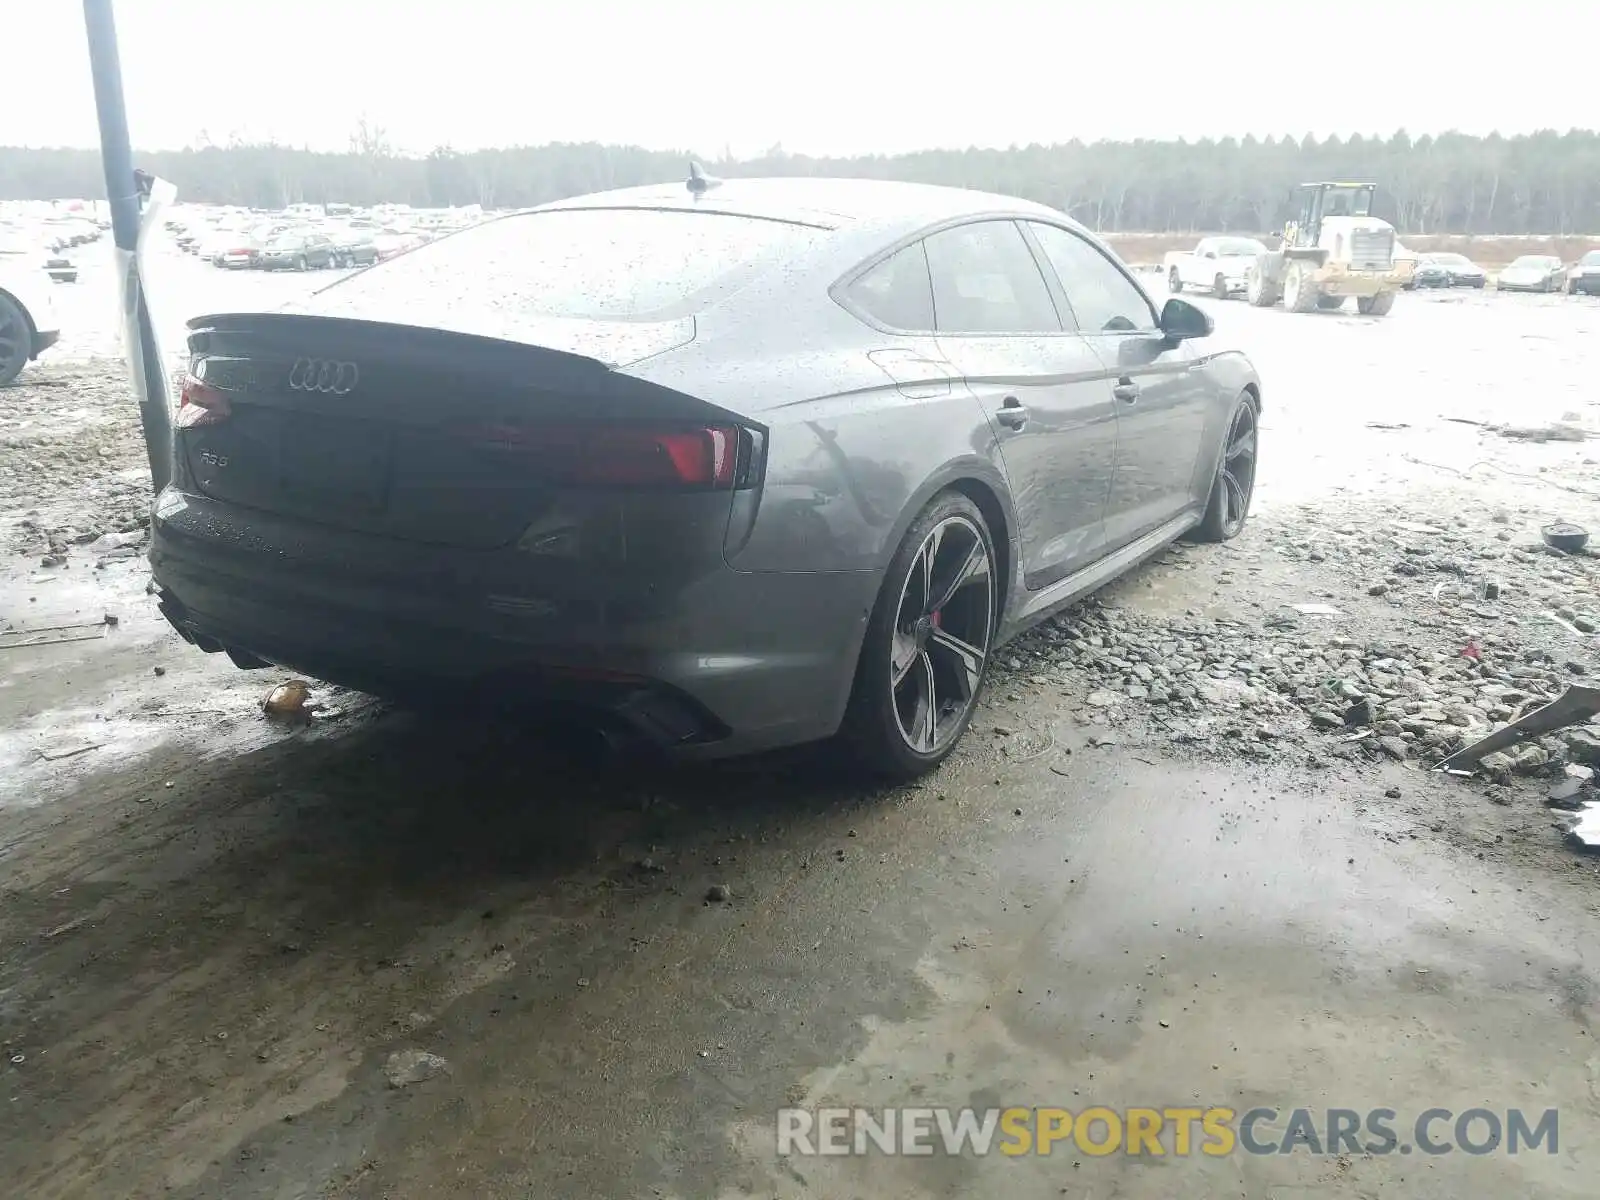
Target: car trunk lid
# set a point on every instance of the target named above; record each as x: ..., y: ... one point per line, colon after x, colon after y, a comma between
x: 432, y: 435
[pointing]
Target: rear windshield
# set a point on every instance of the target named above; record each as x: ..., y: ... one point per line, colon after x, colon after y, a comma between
x: 1591, y: 259
x: 595, y: 264
x: 1240, y: 246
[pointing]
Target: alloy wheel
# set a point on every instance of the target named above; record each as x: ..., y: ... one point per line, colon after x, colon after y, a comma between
x: 1239, y: 469
x: 943, y: 627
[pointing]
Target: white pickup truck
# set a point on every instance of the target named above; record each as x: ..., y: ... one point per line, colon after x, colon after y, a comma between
x: 28, y: 324
x: 1218, y: 265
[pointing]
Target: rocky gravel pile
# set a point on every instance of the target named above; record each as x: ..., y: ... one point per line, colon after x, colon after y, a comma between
x: 73, y: 458
x: 1343, y: 636
x: 1252, y: 689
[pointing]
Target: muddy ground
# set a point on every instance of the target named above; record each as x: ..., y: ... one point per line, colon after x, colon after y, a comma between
x: 1191, y: 851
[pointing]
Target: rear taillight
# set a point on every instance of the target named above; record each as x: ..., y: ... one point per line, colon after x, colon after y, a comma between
x: 201, y: 404
x: 707, y: 457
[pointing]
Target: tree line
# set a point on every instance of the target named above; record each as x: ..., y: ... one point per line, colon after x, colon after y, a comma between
x: 1545, y: 183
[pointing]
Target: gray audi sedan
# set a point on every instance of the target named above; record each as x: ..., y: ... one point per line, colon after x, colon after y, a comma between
x: 730, y: 465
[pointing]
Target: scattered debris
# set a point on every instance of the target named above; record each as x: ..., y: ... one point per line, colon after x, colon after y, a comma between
x: 1577, y: 703
x: 287, y: 699
x: 1583, y: 833
x: 67, y: 750
x: 108, y: 542
x: 405, y: 1067
x: 1565, y: 537
x: 1556, y: 431
x: 50, y: 636
x: 1568, y: 794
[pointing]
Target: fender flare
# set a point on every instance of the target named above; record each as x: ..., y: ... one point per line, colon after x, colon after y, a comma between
x: 968, y: 468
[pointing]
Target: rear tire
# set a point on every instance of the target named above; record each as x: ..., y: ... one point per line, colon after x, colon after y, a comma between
x: 1174, y: 281
x: 16, y: 339
x: 1219, y: 288
x: 928, y: 642
x: 1330, y: 303
x: 1376, y: 306
x: 1235, y: 483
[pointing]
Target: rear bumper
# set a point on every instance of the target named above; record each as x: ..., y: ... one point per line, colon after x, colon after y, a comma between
x: 719, y: 663
x: 1589, y: 285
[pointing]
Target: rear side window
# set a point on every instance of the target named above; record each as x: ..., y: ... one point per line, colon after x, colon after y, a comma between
x: 985, y: 280
x: 897, y: 292
x: 596, y: 264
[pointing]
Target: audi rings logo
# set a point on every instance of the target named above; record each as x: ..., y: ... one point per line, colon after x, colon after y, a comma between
x: 324, y: 375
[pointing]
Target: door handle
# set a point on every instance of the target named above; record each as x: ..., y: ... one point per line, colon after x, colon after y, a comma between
x: 1126, y: 390
x: 1012, y: 414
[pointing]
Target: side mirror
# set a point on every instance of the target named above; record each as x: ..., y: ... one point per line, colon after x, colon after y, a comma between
x: 1181, y: 320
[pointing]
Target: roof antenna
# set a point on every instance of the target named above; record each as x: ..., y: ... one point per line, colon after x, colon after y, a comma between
x: 699, y: 182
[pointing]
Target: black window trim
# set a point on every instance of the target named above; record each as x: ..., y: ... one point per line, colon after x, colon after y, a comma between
x: 840, y: 291
x: 1058, y: 289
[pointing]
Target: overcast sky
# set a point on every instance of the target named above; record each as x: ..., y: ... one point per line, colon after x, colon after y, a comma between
x: 824, y: 77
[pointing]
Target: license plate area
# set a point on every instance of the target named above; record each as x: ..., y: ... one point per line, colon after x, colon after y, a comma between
x: 336, y: 462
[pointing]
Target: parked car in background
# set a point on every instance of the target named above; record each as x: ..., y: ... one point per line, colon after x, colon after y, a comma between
x: 28, y: 323
x: 60, y: 268
x: 1584, y: 278
x: 297, y: 252
x: 237, y: 251
x: 1448, y: 270
x: 1219, y: 265
x: 733, y: 475
x: 354, y: 247
x: 1532, y: 273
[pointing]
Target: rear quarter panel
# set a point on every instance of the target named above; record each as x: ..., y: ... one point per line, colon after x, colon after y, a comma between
x: 862, y: 427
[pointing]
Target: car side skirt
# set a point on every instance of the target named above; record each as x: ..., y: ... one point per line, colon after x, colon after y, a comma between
x: 1096, y: 575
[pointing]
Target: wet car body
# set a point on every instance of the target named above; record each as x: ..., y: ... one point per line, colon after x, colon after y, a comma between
x: 421, y: 485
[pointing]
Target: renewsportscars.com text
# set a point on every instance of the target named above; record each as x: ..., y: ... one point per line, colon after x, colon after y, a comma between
x: 1162, y: 1132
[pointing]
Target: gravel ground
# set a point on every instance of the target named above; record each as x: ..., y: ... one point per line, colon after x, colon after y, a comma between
x: 370, y: 956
